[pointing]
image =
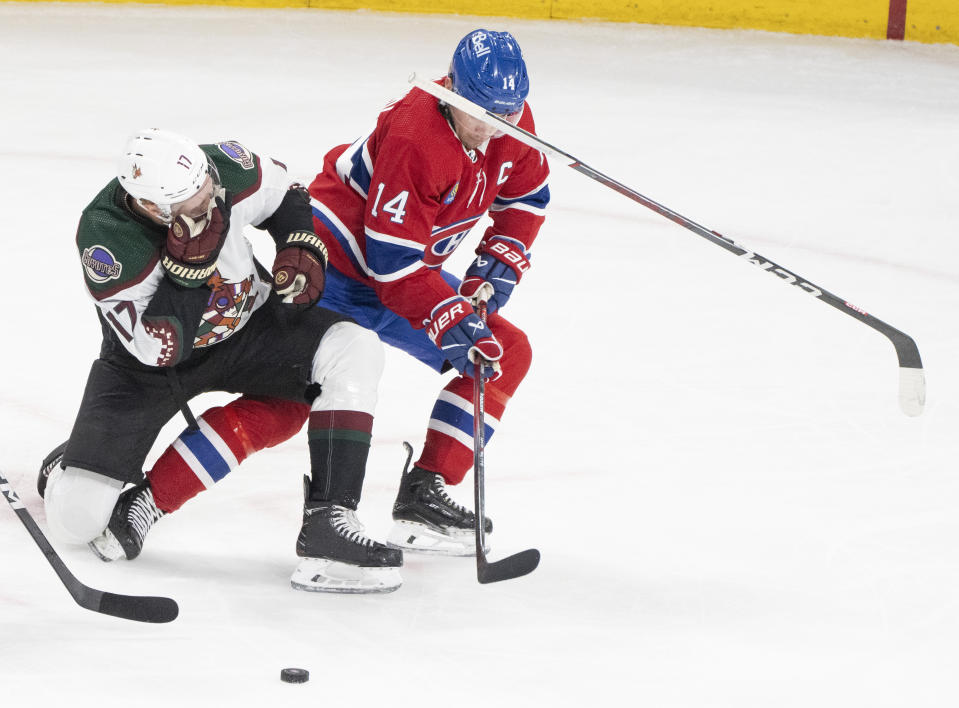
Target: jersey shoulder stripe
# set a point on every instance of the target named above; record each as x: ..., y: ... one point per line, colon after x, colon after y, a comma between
x: 355, y: 166
x: 390, y: 258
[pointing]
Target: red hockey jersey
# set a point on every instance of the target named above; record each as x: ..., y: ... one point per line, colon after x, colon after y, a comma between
x: 394, y: 205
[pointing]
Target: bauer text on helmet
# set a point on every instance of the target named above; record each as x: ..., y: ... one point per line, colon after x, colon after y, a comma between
x: 488, y: 69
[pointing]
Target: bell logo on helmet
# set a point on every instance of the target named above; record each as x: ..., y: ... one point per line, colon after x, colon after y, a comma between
x: 488, y: 69
x: 479, y: 46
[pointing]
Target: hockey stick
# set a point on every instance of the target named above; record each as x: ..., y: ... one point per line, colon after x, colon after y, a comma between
x: 132, y: 607
x: 912, y: 382
x: 518, y: 564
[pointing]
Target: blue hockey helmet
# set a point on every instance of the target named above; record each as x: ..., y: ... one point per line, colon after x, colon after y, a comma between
x: 488, y: 69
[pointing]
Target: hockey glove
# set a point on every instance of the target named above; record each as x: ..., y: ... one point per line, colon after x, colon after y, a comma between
x: 193, y: 245
x: 299, y: 270
x: 464, y: 338
x: 500, y: 263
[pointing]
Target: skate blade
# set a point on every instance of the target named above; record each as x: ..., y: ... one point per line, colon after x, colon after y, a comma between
x: 106, y: 547
x: 420, y: 538
x: 323, y: 575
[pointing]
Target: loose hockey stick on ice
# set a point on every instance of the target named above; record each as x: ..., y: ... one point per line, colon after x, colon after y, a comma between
x: 518, y: 564
x: 132, y: 607
x: 912, y: 382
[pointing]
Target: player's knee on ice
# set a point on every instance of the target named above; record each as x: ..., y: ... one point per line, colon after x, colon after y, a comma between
x: 79, y: 503
x: 348, y: 366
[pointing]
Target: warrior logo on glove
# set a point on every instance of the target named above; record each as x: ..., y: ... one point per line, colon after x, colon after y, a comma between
x: 299, y: 270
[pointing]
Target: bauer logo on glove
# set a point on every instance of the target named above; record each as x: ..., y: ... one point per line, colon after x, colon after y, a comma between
x: 499, y: 265
x: 464, y: 338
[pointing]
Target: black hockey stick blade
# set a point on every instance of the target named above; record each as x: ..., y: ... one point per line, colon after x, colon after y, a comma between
x: 514, y: 566
x: 137, y: 608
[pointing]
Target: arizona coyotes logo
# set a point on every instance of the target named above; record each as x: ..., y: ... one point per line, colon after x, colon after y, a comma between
x: 100, y: 264
x: 137, y: 172
x: 228, y: 307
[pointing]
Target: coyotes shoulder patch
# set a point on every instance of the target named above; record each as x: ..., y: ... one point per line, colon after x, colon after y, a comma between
x: 236, y: 152
x: 100, y: 264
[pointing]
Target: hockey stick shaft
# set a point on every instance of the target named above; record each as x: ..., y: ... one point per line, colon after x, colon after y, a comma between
x: 912, y: 384
x: 518, y: 564
x: 131, y: 607
x: 479, y: 456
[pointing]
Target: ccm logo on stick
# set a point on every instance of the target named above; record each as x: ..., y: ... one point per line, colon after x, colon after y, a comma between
x: 784, y: 274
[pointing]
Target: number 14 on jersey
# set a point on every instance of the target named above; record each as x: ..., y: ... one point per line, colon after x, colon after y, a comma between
x: 395, y: 206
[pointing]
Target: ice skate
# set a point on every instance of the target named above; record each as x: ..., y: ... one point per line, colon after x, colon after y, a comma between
x: 133, y: 516
x: 339, y: 557
x: 427, y: 520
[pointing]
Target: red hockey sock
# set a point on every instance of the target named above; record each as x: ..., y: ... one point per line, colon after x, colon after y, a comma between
x: 199, y: 458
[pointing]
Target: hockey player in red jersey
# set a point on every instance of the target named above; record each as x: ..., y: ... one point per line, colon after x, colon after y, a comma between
x: 391, y: 208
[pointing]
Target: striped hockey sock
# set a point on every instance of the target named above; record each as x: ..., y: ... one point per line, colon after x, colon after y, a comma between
x: 198, y: 459
x: 449, y: 438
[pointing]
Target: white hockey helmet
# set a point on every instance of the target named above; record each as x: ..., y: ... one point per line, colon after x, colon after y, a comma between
x: 162, y: 167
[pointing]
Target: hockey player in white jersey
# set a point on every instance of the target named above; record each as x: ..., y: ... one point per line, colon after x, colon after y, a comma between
x: 185, y: 308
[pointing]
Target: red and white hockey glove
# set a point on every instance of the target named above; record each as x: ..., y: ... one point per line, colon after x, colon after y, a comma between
x: 464, y: 338
x: 299, y: 269
x: 193, y: 245
x: 500, y: 263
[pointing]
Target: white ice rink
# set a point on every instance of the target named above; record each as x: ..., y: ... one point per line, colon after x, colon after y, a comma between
x: 731, y: 508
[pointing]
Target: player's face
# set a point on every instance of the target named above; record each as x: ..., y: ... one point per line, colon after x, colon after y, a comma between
x: 471, y: 131
x: 199, y: 204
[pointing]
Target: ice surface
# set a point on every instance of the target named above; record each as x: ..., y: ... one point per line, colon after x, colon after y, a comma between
x: 731, y: 508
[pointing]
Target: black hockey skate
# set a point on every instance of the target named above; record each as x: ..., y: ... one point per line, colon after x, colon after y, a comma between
x: 339, y: 557
x: 133, y: 516
x: 428, y: 520
x: 50, y: 463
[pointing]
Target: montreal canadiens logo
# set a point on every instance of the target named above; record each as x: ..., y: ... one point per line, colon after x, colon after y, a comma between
x: 237, y: 153
x: 446, y: 246
x: 100, y: 264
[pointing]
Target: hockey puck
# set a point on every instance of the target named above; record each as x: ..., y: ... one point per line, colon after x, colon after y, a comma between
x: 294, y: 675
